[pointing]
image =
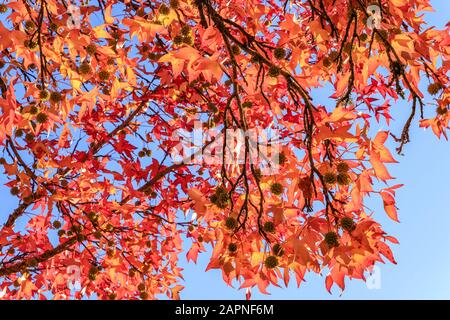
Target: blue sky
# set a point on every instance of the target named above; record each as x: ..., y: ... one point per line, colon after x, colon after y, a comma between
x: 423, y: 256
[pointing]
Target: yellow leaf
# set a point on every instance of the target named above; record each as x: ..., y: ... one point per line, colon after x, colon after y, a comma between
x: 257, y: 258
x: 108, y: 17
x: 100, y: 32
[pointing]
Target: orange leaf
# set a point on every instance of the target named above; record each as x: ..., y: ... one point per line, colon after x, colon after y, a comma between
x: 389, y: 205
x: 380, y: 169
x: 199, y: 200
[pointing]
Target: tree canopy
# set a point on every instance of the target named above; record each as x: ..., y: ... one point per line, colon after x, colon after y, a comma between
x: 95, y: 96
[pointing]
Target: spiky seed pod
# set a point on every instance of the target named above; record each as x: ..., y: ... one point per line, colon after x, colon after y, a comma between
x: 141, y: 286
x: 348, y: 48
x: 29, y: 137
x: 174, y: 4
x: 254, y: 59
x: 61, y: 233
x: 343, y: 179
x: 33, y: 110
x: 279, y: 53
x: 331, y: 239
x: 188, y: 40
x: 442, y: 111
x: 214, y: 198
x: 329, y: 177
x: 41, y: 117
x: 220, y: 197
x: 382, y: 33
x: 257, y: 174
x: 148, y: 244
x: 84, y: 68
x: 143, y: 295
x: 112, y: 296
x: 222, y: 192
x: 2, y: 161
x: 29, y: 25
x: 3, y: 8
x: 236, y: 50
x: 277, y: 250
x: 434, y: 88
x: 333, y: 55
x: 164, y: 10
x: 396, y: 68
x: 97, y: 234
x: 363, y: 37
x: 103, y: 75
x: 53, y: 27
x: 185, y: 30
x: 178, y: 39
x: 91, y: 49
x: 93, y: 270
x: 327, y: 62
x: 232, y: 247
x: 276, y: 188
x: 200, y: 238
x: 56, y: 224
x: 19, y: 133
x: 55, y: 97
x: 273, y: 71
x: 93, y: 216
x: 212, y: 107
x: 30, y: 44
x: 14, y: 191
x: 342, y: 167
x: 231, y: 223
x: 26, y: 43
x: 141, y: 154
x: 44, y: 95
x: 81, y: 237
x: 32, y: 262
x: 282, y: 158
x: 269, y: 227
x: 271, y: 262
x: 247, y: 104
x: 347, y: 224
